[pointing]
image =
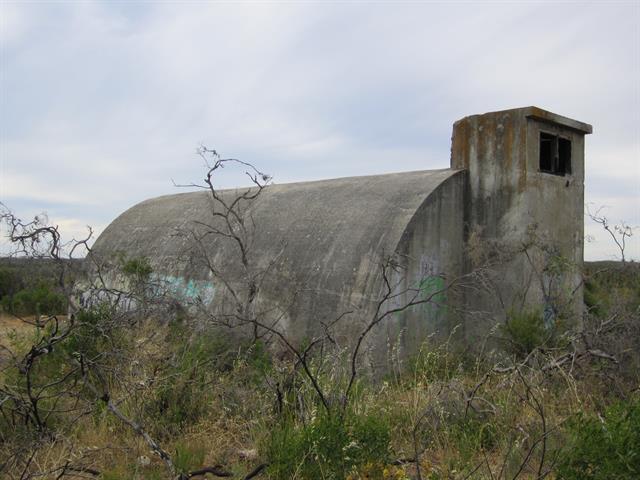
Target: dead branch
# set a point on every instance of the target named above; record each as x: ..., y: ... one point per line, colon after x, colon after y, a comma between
x: 619, y: 233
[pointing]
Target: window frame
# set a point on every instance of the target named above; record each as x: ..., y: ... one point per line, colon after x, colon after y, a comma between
x: 559, y: 158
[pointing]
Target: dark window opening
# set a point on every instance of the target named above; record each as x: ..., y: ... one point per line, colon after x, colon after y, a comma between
x: 564, y: 156
x: 555, y: 154
x: 546, y: 152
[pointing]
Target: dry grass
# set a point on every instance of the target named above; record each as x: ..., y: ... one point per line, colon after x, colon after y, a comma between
x: 12, y: 329
x: 455, y: 417
x: 11, y: 324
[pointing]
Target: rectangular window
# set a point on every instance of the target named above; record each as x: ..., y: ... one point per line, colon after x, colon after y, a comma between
x: 555, y: 154
x: 564, y: 156
x: 546, y: 152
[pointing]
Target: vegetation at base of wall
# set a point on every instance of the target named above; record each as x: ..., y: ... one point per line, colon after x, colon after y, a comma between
x: 525, y: 330
x: 211, y: 400
x: 190, y: 362
x: 328, y: 447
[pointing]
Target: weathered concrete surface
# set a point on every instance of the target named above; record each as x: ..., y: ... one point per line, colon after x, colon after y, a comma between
x: 510, y: 201
x: 328, y: 239
x: 322, y: 242
x: 433, y: 247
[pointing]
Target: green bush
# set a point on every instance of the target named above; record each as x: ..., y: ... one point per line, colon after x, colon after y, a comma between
x: 523, y: 332
x: 40, y: 299
x: 595, y: 299
x: 182, y: 398
x: 54, y: 375
x: 603, y: 449
x: 137, y: 270
x: 329, y: 447
x: 96, y: 333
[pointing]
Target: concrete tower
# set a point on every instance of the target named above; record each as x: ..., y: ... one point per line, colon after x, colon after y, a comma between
x: 525, y: 200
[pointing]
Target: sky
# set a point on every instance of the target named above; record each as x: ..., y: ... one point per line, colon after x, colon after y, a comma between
x: 104, y: 104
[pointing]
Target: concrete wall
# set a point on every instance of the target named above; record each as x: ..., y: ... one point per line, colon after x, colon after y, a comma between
x: 322, y: 241
x: 511, y: 202
x: 433, y: 247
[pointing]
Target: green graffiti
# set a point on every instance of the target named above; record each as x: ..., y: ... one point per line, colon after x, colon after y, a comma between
x: 433, y: 288
x: 189, y: 289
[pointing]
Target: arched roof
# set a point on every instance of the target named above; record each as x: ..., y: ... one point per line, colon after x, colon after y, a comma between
x: 328, y: 235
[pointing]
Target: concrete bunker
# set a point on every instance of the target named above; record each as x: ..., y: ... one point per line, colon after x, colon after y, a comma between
x: 511, y: 171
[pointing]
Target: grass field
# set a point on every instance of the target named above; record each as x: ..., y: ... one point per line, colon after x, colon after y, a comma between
x: 566, y: 408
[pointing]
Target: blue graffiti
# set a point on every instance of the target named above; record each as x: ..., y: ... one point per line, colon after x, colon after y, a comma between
x: 194, y: 290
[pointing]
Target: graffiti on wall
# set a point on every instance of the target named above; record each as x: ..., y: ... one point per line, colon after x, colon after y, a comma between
x: 190, y: 290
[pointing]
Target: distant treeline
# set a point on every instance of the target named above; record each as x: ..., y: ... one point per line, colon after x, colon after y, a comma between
x: 608, y: 284
x: 30, y: 286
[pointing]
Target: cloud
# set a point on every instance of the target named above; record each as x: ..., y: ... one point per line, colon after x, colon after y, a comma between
x: 14, y: 22
x: 103, y: 103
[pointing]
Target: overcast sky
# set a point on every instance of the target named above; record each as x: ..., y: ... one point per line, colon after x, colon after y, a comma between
x: 102, y: 104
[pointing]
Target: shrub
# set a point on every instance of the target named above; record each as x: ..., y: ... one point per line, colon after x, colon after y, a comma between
x: 52, y: 385
x: 182, y: 396
x: 180, y: 399
x: 40, y: 299
x: 523, y: 332
x: 609, y: 284
x: 329, y: 447
x: 138, y: 269
x: 594, y: 299
x: 602, y: 449
x: 97, y: 332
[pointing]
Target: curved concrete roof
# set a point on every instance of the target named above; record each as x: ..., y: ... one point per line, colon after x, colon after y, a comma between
x: 328, y: 235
